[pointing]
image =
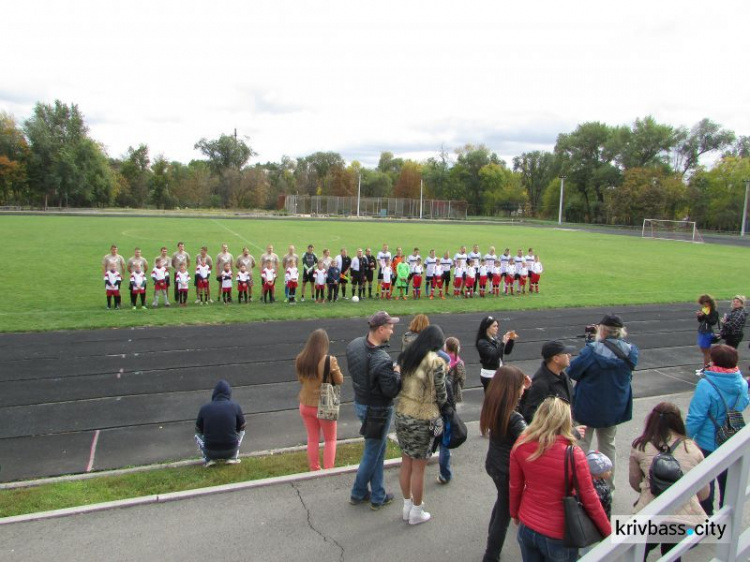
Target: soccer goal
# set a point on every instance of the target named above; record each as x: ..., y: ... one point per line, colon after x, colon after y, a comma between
x: 684, y: 231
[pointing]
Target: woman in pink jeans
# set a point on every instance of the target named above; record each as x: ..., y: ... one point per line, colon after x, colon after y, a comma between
x: 311, y: 368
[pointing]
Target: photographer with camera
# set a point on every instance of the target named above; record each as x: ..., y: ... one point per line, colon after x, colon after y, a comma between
x: 603, y: 394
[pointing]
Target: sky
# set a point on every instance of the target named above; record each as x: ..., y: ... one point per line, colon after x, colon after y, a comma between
x: 360, y: 78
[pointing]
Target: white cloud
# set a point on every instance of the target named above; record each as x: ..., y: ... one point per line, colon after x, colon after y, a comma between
x: 296, y: 77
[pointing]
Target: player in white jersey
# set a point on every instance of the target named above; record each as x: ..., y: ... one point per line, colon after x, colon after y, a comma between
x: 387, y: 278
x: 489, y: 259
x: 523, y: 275
x: 411, y: 259
x: 112, y: 282
x: 459, y: 274
x: 225, y: 276
x: 291, y: 278
x: 470, y: 280
x: 505, y: 259
x: 269, y: 279
x: 417, y: 278
x: 178, y: 258
x: 529, y: 259
x: 243, y: 284
x: 182, y: 281
x: 321, y: 273
x: 160, y: 275
x: 202, y: 280
x: 510, y: 277
x: 473, y: 261
x: 536, y: 274
x: 381, y: 257
x: 496, y: 278
x: 430, y: 266
x: 518, y: 258
x: 138, y: 286
x: 483, y: 273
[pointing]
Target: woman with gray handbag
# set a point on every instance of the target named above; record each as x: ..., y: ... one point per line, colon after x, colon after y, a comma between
x: 315, y: 368
x: 539, y: 485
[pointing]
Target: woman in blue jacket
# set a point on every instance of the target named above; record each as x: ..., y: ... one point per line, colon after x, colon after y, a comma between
x: 722, y: 379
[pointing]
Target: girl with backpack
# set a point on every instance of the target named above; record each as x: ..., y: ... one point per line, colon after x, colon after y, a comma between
x: 665, y: 431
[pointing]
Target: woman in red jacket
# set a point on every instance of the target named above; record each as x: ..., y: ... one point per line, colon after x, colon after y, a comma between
x: 537, y: 484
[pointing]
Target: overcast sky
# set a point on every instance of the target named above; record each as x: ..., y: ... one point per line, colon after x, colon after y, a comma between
x: 360, y: 78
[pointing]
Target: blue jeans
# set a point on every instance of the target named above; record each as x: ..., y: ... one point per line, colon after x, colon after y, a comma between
x: 444, y: 459
x: 370, y: 471
x: 536, y: 547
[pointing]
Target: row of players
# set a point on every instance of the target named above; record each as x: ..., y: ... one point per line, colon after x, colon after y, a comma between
x: 471, y: 273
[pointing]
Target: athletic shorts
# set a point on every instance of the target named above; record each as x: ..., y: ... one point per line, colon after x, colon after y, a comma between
x: 368, y: 275
x: 356, y: 277
x: 291, y: 285
x: 386, y: 286
x: 308, y: 276
x: 417, y: 279
x: 446, y: 277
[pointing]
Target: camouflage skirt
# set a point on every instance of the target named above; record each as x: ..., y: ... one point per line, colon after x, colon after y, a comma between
x: 414, y: 436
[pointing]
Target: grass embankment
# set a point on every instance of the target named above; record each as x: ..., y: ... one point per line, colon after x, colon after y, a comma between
x: 54, y: 277
x: 105, y: 488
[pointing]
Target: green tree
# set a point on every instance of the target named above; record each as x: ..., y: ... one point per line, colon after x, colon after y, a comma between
x: 502, y: 190
x: 587, y: 162
x: 408, y: 183
x: 723, y: 188
x: 647, y: 193
x: 376, y: 183
x: 390, y: 165
x: 136, y: 169
x: 439, y: 183
x: 470, y: 159
x: 645, y: 144
x: 64, y: 164
x: 536, y: 170
x: 14, y: 156
x: 159, y: 184
x: 705, y: 137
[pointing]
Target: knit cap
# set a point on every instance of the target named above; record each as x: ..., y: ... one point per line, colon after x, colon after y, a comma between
x: 599, y: 463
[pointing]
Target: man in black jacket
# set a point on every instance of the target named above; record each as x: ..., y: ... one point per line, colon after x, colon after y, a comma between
x: 220, y: 427
x: 376, y: 381
x: 550, y: 380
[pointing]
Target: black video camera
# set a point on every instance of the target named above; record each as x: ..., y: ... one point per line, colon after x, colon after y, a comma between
x: 589, y: 333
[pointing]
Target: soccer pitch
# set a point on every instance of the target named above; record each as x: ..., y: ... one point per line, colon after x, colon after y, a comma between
x: 52, y: 272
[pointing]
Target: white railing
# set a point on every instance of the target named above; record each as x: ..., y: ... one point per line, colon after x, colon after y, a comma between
x: 733, y: 456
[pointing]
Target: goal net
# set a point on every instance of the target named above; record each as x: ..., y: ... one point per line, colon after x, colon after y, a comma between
x: 684, y: 231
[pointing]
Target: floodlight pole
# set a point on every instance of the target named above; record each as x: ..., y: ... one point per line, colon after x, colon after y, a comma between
x: 420, y: 197
x: 744, y: 207
x: 359, y: 191
x: 562, y: 193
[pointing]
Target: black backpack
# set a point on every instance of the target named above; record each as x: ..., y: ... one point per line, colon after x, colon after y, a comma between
x: 665, y: 470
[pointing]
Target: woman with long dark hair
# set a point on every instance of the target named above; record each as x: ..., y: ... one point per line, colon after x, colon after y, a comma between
x: 707, y: 318
x: 664, y: 428
x: 311, y: 366
x: 422, y: 396
x: 491, y: 350
x: 500, y: 420
x: 537, y: 484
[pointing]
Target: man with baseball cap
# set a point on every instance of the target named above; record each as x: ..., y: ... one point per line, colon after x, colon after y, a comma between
x: 376, y: 381
x: 550, y: 379
x: 603, y: 394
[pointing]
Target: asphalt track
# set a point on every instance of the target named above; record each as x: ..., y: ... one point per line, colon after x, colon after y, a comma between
x: 94, y: 400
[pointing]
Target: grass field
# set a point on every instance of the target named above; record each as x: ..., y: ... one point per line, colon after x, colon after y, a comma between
x: 106, y: 488
x: 52, y: 279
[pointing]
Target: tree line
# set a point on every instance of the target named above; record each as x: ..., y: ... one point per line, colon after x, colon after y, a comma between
x: 613, y: 174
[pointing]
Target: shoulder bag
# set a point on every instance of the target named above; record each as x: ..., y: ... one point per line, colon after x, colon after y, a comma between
x: 619, y: 353
x: 580, y: 530
x: 330, y: 395
x: 734, y: 421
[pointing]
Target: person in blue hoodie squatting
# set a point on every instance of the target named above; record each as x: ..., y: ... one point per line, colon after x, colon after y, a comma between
x: 722, y: 386
x: 220, y: 427
x: 603, y: 396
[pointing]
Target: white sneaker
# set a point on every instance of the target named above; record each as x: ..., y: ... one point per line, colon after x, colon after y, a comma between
x: 209, y: 463
x: 234, y: 461
x: 418, y: 515
x: 408, y: 504
x: 699, y: 372
x: 197, y: 301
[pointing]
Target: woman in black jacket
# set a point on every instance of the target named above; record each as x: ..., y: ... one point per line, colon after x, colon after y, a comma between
x: 707, y: 318
x: 733, y: 326
x: 491, y: 350
x: 504, y: 424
